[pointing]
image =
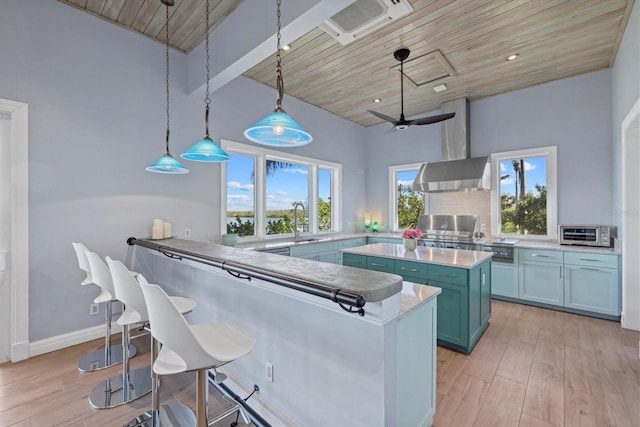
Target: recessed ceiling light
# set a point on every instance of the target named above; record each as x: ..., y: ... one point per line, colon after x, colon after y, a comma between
x: 286, y: 47
x: 377, y: 100
x: 440, y: 88
x: 512, y: 57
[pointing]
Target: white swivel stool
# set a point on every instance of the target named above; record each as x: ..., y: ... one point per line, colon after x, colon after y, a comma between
x: 129, y: 292
x: 193, y: 347
x: 109, y: 355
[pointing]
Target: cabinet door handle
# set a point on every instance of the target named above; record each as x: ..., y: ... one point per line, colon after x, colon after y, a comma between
x: 540, y: 256
x: 409, y: 269
x: 378, y: 265
x: 353, y: 261
x: 592, y: 269
x: 588, y: 259
x: 561, y: 272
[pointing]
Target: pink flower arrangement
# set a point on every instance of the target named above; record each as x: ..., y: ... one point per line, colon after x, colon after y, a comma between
x: 412, y: 233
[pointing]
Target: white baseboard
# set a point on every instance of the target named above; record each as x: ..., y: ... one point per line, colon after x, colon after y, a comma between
x: 20, y: 351
x: 69, y: 339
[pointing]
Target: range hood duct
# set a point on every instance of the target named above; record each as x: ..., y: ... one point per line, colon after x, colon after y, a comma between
x: 457, y: 172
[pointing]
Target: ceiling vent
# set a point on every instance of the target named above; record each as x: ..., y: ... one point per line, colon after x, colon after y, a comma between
x: 364, y: 16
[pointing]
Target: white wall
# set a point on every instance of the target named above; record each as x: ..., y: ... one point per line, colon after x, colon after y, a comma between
x: 625, y: 88
x: 574, y: 114
x: 97, y: 119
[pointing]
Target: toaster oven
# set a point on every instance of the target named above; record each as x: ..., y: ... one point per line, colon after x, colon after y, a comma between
x: 585, y: 235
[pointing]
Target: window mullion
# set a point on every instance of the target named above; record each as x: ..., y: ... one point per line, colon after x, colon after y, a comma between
x: 260, y: 195
x: 313, y: 198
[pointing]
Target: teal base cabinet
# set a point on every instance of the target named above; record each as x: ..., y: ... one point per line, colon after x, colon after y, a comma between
x: 464, y: 306
x: 592, y: 283
x: 540, y: 276
x: 504, y: 280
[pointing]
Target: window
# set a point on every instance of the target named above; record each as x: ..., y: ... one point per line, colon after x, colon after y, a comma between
x: 406, y: 205
x: 263, y: 186
x: 524, y: 193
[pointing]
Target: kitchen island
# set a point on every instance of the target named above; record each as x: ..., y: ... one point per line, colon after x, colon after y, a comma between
x: 464, y: 307
x: 329, y: 366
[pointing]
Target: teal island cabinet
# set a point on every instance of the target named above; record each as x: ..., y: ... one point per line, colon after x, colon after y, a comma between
x: 464, y: 306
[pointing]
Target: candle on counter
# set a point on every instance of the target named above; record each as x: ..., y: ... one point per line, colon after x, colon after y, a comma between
x: 157, y: 232
x: 157, y: 222
x: 166, y: 230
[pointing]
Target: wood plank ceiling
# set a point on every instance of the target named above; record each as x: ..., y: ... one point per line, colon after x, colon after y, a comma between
x: 460, y: 43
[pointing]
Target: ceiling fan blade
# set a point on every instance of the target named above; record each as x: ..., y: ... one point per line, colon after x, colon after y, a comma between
x: 382, y: 116
x: 431, y: 119
x: 393, y: 129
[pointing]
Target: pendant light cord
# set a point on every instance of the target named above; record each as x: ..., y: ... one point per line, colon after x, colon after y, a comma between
x: 207, y: 100
x: 167, y: 63
x: 279, y: 81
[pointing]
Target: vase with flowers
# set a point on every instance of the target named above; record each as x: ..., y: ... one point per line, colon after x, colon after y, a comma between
x: 410, y: 238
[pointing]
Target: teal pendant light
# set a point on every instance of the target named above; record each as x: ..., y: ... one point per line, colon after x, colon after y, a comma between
x: 206, y: 150
x: 278, y: 129
x: 166, y: 163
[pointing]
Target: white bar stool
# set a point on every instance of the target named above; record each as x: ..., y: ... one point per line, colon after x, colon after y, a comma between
x: 193, y: 347
x: 116, y: 390
x: 110, y: 355
x: 129, y: 292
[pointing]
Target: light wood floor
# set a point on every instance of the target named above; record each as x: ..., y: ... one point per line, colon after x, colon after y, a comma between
x: 538, y: 367
x: 48, y: 390
x: 533, y: 367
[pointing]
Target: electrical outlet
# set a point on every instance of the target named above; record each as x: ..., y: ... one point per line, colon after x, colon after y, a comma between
x: 187, y: 232
x: 94, y: 309
x: 269, y: 371
x: 483, y: 227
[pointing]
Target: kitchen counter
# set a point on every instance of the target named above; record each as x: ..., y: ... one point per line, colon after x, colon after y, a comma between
x: 438, y: 256
x: 372, y: 285
x: 414, y: 295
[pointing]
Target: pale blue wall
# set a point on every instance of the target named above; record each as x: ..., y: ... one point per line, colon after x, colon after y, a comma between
x: 573, y: 113
x: 625, y: 78
x: 96, y: 120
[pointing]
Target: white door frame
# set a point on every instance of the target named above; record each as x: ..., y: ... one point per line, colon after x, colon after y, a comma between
x: 19, y: 247
x: 630, y: 316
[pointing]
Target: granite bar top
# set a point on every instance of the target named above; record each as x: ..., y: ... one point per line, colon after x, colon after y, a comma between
x: 439, y: 256
x: 413, y: 295
x: 372, y: 285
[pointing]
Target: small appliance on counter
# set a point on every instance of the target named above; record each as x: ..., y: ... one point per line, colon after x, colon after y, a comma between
x: 586, y: 235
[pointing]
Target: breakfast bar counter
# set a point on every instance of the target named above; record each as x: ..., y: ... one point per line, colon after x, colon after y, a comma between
x: 328, y: 363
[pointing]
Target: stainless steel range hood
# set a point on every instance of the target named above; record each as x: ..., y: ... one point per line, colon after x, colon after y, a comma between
x: 457, y: 172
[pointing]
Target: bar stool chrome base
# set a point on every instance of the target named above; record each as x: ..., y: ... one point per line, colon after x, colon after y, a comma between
x: 95, y: 361
x: 170, y: 415
x: 112, y: 393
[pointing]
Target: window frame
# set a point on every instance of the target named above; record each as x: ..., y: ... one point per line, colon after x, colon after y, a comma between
x: 393, y: 192
x: 551, y: 154
x: 261, y: 155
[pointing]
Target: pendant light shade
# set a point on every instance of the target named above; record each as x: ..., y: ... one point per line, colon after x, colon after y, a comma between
x: 278, y: 129
x: 166, y: 163
x: 206, y: 150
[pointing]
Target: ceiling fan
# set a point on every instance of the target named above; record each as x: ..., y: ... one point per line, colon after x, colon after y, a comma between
x: 402, y: 123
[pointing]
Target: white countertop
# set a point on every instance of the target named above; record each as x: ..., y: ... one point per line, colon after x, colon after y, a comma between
x: 439, y: 256
x: 413, y: 295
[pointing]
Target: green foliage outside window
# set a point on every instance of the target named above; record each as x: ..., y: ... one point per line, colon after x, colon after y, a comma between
x: 410, y: 206
x: 526, y: 214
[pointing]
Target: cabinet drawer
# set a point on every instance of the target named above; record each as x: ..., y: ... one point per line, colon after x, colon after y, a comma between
x: 353, y: 260
x: 304, y: 249
x: 411, y: 269
x: 452, y: 275
x: 351, y: 243
x: 591, y: 259
x: 540, y: 255
x: 380, y: 264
